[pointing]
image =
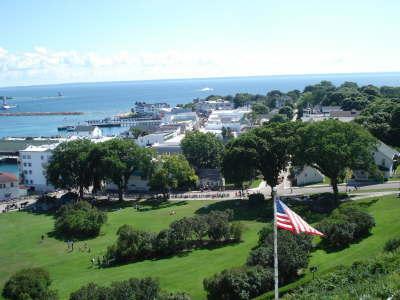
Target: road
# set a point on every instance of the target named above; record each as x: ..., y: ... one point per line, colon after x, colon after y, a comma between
x: 285, y: 189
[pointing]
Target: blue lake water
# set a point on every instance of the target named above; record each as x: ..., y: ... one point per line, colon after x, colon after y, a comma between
x: 9, y: 168
x: 101, y: 100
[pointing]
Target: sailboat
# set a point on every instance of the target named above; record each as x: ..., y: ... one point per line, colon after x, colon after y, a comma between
x: 6, y: 106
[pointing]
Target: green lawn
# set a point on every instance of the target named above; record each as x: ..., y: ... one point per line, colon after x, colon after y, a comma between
x: 386, y: 212
x: 20, y: 247
x: 255, y: 183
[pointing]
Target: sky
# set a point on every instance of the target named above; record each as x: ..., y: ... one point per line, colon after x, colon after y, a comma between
x: 55, y: 41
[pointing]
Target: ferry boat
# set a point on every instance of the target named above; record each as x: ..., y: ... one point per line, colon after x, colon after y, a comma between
x: 6, y: 106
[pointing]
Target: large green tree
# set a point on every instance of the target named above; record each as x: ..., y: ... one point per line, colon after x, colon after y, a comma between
x: 332, y: 147
x: 122, y: 158
x: 202, y: 150
x: 69, y: 166
x: 172, y: 173
x: 266, y: 150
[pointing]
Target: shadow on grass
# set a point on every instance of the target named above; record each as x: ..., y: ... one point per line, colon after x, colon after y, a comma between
x: 242, y: 209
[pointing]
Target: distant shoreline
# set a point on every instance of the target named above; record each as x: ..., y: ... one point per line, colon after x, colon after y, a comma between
x: 200, y: 78
x: 25, y: 114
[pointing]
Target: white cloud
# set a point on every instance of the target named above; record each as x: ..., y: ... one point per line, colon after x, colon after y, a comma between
x: 42, y: 65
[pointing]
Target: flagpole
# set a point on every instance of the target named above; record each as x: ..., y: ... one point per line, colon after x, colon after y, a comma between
x: 276, y: 276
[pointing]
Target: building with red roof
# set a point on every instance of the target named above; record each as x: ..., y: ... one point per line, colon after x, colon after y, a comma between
x: 8, y: 186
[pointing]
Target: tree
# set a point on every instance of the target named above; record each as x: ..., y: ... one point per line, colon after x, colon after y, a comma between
x: 79, y: 220
x: 279, y: 118
x: 260, y: 108
x: 239, y: 283
x: 122, y: 158
x: 202, y: 150
x: 28, y: 284
x: 226, y: 133
x: 268, y: 149
x: 237, y: 159
x: 332, y: 147
x: 137, y: 132
x: 69, y: 166
x: 288, y: 111
x: 172, y: 172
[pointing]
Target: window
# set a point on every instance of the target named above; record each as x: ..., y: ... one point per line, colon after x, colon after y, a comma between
x: 12, y: 184
x: 31, y: 181
x: 41, y: 157
x: 30, y: 171
x: 26, y: 181
x: 28, y: 156
x: 25, y: 172
x: 29, y: 165
x: 1, y: 186
x: 24, y: 164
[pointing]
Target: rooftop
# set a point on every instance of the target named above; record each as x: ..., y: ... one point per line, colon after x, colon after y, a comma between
x: 7, y: 177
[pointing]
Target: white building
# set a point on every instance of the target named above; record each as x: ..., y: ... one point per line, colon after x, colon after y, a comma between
x: 328, y: 112
x: 233, y: 119
x: 171, y: 146
x: 157, y: 137
x: 33, y: 162
x: 384, y: 159
x: 306, y: 175
x: 88, y: 131
x: 136, y: 183
x: 8, y: 186
x: 209, y: 105
x: 143, y: 108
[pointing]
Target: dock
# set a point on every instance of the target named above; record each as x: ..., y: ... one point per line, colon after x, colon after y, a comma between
x: 25, y: 114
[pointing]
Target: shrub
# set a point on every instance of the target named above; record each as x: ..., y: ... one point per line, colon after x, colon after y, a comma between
x: 241, y: 283
x: 138, y: 289
x: 237, y: 231
x: 131, y: 245
x: 293, y: 254
x: 346, y: 225
x: 338, y: 233
x: 256, y: 199
x: 29, y: 284
x: 186, y: 233
x: 392, y: 245
x: 79, y: 220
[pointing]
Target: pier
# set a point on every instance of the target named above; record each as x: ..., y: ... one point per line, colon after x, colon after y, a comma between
x: 25, y: 114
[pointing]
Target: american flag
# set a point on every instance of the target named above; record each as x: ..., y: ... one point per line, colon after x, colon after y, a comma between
x: 289, y: 220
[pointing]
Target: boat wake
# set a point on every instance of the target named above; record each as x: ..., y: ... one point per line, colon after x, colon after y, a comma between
x: 206, y: 89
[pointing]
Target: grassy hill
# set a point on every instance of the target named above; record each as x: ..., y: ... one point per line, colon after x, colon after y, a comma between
x: 21, y: 246
x: 386, y: 211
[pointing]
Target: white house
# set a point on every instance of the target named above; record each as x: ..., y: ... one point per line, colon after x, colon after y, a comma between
x: 384, y: 159
x: 306, y: 175
x: 143, y: 108
x: 88, y: 131
x: 135, y: 184
x: 157, y: 137
x: 234, y: 119
x: 8, y: 186
x: 33, y: 162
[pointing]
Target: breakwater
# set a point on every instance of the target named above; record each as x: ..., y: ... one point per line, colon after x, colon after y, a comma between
x: 25, y: 114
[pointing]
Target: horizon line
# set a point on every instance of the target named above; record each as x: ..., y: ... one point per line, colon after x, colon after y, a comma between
x: 197, y: 78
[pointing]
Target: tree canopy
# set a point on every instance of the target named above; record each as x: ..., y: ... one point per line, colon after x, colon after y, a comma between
x: 172, y: 172
x: 202, y: 150
x: 332, y: 147
x: 69, y: 166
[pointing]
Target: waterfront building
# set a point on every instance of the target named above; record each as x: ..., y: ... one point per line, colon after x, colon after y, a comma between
x: 210, y: 105
x: 8, y: 186
x: 87, y: 131
x: 33, y: 162
x: 143, y: 108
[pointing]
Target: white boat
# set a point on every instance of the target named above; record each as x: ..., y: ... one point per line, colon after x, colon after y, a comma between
x: 6, y: 106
